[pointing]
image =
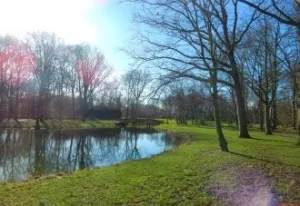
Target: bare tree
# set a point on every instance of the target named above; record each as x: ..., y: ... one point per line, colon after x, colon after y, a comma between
x: 92, y: 71
x: 135, y: 83
x: 171, y: 32
x: 110, y: 94
x: 290, y: 59
x: 264, y: 68
x: 284, y: 11
x: 45, y: 46
x: 62, y: 76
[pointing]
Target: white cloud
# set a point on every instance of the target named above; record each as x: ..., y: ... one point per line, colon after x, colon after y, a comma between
x: 68, y: 18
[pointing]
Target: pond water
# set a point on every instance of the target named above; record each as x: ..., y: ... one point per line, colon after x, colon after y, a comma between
x: 30, y: 153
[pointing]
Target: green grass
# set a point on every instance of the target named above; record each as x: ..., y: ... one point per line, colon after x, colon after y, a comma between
x: 195, y: 173
x: 57, y: 124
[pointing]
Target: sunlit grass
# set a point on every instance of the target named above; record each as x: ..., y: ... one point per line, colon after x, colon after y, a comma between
x: 59, y: 124
x: 195, y: 173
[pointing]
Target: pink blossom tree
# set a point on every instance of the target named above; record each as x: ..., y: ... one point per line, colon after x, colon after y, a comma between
x: 17, y: 65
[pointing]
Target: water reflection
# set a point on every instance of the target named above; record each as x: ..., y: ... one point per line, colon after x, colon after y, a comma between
x: 25, y: 153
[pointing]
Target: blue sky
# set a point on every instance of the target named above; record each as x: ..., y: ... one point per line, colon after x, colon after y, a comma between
x: 113, y: 24
x: 103, y: 23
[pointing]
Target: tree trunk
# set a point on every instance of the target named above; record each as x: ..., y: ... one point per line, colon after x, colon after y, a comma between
x: 38, y: 112
x: 275, y: 117
x: 10, y: 104
x: 222, y: 141
x: 261, y: 115
x: 242, y: 116
x: 234, y: 107
x: 17, y: 105
x: 295, y: 110
x: 240, y: 101
x: 32, y: 107
x: 60, y: 104
x: 73, y: 103
x: 268, y: 128
x: 127, y: 111
x: 37, y: 124
x: 84, y: 109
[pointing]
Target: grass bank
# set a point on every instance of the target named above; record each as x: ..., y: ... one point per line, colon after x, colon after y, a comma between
x: 257, y: 171
x: 58, y: 124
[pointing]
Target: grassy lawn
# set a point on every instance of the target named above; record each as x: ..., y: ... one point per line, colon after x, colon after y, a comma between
x: 257, y: 172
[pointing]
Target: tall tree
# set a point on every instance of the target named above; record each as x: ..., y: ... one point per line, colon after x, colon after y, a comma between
x: 264, y: 69
x: 171, y: 32
x: 45, y: 46
x: 20, y: 65
x: 92, y: 70
x: 135, y: 83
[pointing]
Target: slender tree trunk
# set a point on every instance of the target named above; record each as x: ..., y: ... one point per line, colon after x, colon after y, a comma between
x: 73, y: 103
x: 131, y: 111
x: 38, y: 115
x: 275, y: 116
x: 17, y: 105
x: 60, y: 106
x: 268, y: 128
x: 234, y: 107
x: 84, y: 110
x: 127, y: 111
x: 261, y: 115
x: 222, y: 141
x: 32, y: 107
x: 295, y: 110
x: 61, y: 95
x: 37, y: 123
x: 10, y: 103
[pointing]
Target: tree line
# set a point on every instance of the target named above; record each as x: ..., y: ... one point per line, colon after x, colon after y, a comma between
x: 41, y: 78
x: 248, y: 47
x: 226, y: 60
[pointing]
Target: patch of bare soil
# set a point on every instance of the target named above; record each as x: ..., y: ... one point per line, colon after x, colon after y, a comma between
x: 245, y: 186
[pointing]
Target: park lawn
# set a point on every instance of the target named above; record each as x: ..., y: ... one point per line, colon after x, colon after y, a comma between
x: 195, y: 173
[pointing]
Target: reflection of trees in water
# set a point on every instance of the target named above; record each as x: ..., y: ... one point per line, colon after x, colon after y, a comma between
x: 26, y: 153
x: 39, y: 163
x: 131, y: 151
x: 13, y: 154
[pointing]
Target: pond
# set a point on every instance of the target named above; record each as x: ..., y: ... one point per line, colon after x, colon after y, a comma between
x: 31, y: 153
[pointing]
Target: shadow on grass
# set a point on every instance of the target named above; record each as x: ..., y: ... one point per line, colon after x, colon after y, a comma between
x: 263, y: 160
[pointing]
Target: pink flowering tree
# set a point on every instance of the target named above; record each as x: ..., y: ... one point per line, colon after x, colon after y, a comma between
x: 92, y: 71
x: 3, y: 76
x: 17, y: 65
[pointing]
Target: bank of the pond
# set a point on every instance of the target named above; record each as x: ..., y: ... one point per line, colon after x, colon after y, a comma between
x: 59, y: 124
x: 258, y: 171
